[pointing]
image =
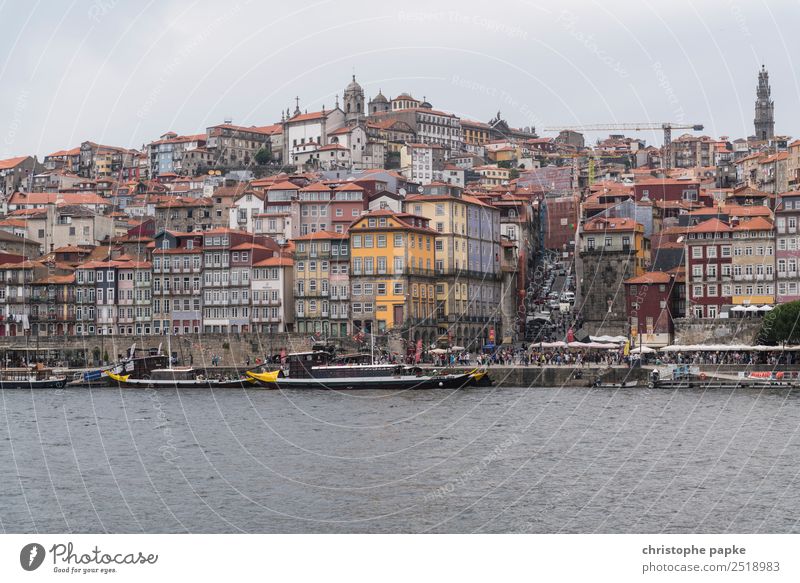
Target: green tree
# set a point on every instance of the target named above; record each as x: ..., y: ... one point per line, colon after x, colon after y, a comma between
x: 262, y: 156
x: 781, y: 325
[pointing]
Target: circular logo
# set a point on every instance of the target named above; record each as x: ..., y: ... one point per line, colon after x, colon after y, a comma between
x: 31, y: 556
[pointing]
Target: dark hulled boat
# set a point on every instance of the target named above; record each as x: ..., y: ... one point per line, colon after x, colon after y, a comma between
x: 319, y: 369
x: 31, y: 378
x: 138, y: 364
x: 183, y: 378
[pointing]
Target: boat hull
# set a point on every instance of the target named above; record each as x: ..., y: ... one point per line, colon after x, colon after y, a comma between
x: 29, y: 384
x: 126, y: 381
x: 386, y: 383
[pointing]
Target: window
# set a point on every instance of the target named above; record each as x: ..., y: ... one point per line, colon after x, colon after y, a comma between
x: 398, y: 240
x: 711, y: 252
x: 697, y: 252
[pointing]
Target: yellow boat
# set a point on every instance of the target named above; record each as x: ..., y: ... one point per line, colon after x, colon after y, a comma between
x: 264, y: 377
x: 181, y: 378
x: 477, y: 374
x: 120, y: 378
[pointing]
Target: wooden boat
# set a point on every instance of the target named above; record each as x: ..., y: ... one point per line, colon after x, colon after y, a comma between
x: 182, y: 378
x: 137, y: 363
x: 31, y: 378
x: 400, y: 381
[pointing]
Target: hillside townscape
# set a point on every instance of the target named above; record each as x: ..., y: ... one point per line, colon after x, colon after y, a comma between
x: 387, y: 220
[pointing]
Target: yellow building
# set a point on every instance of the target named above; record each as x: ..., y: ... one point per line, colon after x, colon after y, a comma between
x: 476, y: 133
x: 493, y: 175
x: 392, y: 275
x: 467, y: 262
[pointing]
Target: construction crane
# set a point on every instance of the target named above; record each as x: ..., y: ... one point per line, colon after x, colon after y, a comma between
x: 667, y: 127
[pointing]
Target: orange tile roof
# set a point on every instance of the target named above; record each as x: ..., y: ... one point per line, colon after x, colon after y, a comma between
x: 285, y: 185
x: 276, y: 261
x: 321, y: 235
x: 348, y: 187
x: 650, y: 278
x: 755, y: 224
x: 26, y: 198
x: 711, y: 226
x: 12, y: 162
x: 611, y: 224
x: 316, y: 187
x: 311, y: 116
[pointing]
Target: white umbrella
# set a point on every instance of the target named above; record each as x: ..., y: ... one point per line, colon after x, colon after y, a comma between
x: 558, y: 344
x: 737, y: 309
x: 751, y: 309
x: 643, y: 350
x: 765, y: 309
x: 437, y: 351
x: 456, y: 348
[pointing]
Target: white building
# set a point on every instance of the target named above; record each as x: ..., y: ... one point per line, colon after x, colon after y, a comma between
x: 272, y: 296
x: 245, y: 207
x: 313, y: 127
x: 416, y: 162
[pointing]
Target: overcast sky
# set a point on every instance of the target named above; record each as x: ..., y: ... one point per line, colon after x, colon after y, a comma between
x: 123, y: 73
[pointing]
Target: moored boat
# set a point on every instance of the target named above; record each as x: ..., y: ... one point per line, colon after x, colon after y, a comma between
x: 31, y: 378
x: 312, y: 370
x: 183, y: 378
x: 137, y: 363
x: 398, y: 382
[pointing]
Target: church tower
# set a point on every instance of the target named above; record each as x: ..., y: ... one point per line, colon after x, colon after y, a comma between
x: 353, y: 102
x: 765, y: 108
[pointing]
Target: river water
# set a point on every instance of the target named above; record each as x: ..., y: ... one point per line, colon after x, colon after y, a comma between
x: 476, y: 460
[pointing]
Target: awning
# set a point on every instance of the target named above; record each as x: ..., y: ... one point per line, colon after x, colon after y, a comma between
x: 643, y: 350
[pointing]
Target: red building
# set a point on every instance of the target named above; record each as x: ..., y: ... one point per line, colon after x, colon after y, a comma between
x: 709, y: 256
x: 560, y: 223
x: 648, y: 299
x: 670, y: 189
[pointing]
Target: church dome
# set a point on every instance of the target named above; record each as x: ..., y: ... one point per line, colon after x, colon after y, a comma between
x: 353, y: 86
x: 380, y: 98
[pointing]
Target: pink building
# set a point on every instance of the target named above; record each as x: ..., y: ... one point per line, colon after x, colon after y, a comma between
x: 787, y: 254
